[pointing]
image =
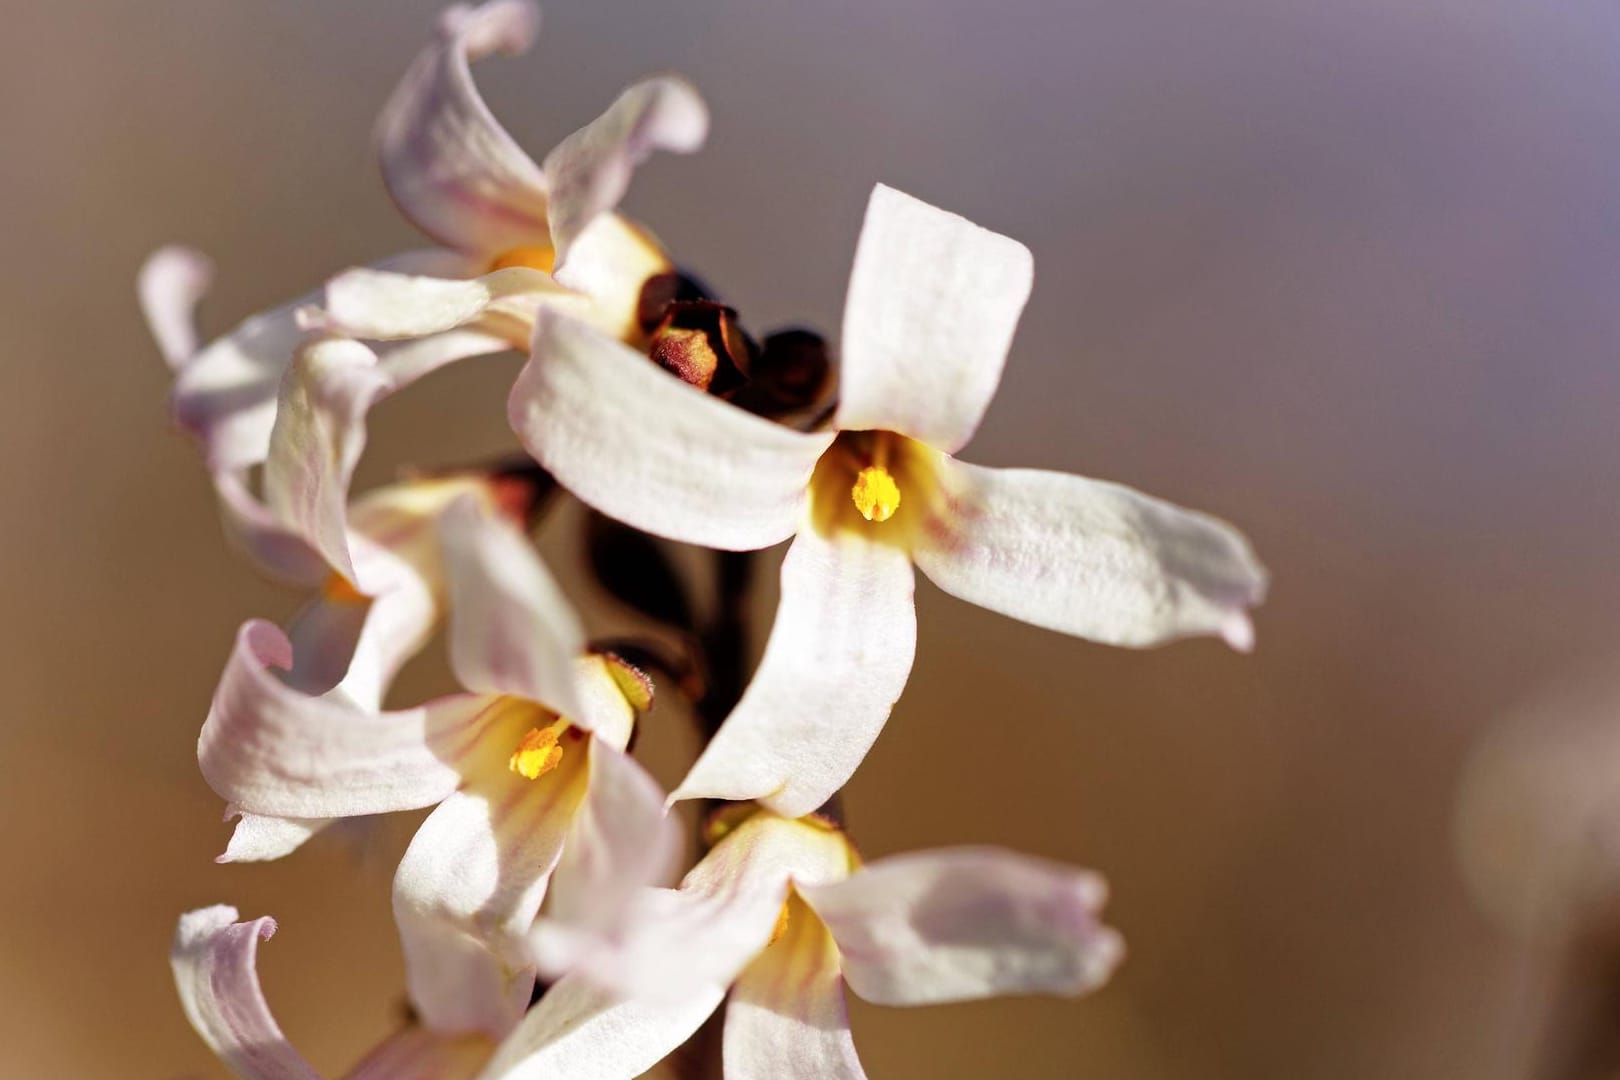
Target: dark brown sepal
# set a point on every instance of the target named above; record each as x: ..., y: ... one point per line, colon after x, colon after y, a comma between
x: 790, y: 373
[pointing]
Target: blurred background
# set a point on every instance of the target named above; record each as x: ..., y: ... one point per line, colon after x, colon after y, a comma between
x: 1344, y: 273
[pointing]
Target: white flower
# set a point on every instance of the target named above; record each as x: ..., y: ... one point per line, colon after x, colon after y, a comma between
x: 932, y: 306
x: 782, y: 915
x: 527, y: 775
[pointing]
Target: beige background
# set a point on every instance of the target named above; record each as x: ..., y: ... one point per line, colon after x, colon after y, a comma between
x: 1343, y: 272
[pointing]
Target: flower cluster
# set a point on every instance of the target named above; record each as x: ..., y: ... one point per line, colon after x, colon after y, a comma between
x: 538, y: 935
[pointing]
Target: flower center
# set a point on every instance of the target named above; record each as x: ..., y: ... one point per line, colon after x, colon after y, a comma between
x: 536, y: 257
x: 538, y: 751
x: 875, y: 493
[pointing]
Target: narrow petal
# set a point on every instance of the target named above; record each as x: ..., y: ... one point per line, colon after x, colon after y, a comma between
x: 589, y: 171
x: 675, y: 942
x: 415, y: 1054
x: 258, y: 838
x: 621, y: 841
x: 787, y: 1015
x: 406, y: 361
x: 474, y: 877
x: 1088, y: 558
x: 275, y: 548
x: 398, y: 620
x: 170, y: 284
x: 641, y: 446
x: 967, y: 923
x: 271, y: 750
x: 379, y: 305
x: 449, y: 165
x: 933, y: 303
x: 582, y: 1031
x: 512, y: 630
x: 837, y: 659
x: 215, y: 969
x: 317, y: 439
x: 608, y: 264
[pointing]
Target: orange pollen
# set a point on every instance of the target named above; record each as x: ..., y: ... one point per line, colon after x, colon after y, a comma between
x: 537, y: 752
x: 535, y: 257
x: 340, y: 590
x: 780, y: 928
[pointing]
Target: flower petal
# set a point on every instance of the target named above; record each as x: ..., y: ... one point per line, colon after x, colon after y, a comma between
x: 621, y: 842
x: 787, y: 1015
x: 170, y: 283
x: 317, y: 439
x: 933, y: 302
x: 268, y: 543
x: 836, y: 662
x: 271, y: 750
x: 583, y: 1031
x: 589, y: 171
x: 414, y: 1054
x: 214, y: 961
x: 449, y: 165
x: 512, y: 630
x: 474, y: 877
x: 379, y: 305
x: 967, y: 923
x: 258, y: 838
x: 640, y: 445
x: 1089, y: 558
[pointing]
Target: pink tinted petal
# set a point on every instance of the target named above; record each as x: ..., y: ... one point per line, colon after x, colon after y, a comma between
x: 512, y: 630
x: 414, y: 1054
x: 271, y: 750
x: 581, y: 1031
x: 967, y: 923
x: 406, y: 361
x: 214, y: 960
x: 620, y: 842
x: 787, y: 1015
x: 933, y: 303
x: 449, y: 165
x: 258, y: 838
x: 317, y: 439
x: 170, y: 284
x: 398, y: 623
x: 1088, y: 558
x: 324, y: 634
x: 268, y: 543
x: 589, y: 171
x: 640, y: 445
x: 378, y: 305
x: 836, y: 662
x: 473, y: 879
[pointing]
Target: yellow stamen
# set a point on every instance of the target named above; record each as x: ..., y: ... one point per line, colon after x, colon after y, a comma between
x: 781, y: 926
x: 537, y: 752
x: 876, y: 494
x: 338, y: 589
x: 537, y: 257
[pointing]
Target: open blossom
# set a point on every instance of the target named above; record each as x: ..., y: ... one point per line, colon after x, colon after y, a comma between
x: 783, y: 915
x: 527, y: 775
x: 215, y: 964
x: 507, y: 223
x: 932, y: 306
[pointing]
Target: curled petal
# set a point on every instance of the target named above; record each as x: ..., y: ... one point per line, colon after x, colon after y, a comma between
x: 836, y: 662
x: 449, y: 165
x: 406, y: 361
x: 643, y: 447
x: 512, y: 631
x: 621, y: 841
x: 787, y: 1015
x: 258, y: 838
x: 316, y: 442
x: 473, y: 878
x: 1088, y: 558
x: 399, y: 619
x: 933, y: 303
x: 170, y: 284
x: 271, y: 750
x: 415, y: 1054
x: 583, y: 1031
x: 214, y: 959
x: 277, y: 549
x: 379, y: 305
x: 967, y: 923
x: 589, y: 171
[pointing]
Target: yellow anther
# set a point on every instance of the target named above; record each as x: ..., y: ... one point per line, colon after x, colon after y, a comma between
x: 537, y: 257
x: 781, y: 926
x: 537, y: 752
x: 876, y: 494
